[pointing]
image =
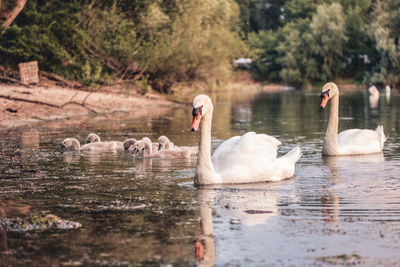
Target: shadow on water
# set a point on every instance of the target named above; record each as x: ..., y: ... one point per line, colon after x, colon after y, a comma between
x: 135, y: 211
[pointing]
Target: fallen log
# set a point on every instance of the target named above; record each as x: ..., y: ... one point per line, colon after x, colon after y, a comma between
x: 29, y: 101
x: 4, y: 78
x: 49, y: 104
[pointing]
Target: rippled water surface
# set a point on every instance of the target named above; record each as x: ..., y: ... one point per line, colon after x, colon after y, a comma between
x: 134, y: 211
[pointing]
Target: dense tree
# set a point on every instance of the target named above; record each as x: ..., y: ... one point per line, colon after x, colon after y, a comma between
x: 384, y: 32
x: 300, y: 9
x: 358, y: 49
x: 298, y: 66
x: 328, y: 37
x: 263, y: 50
x: 162, y: 42
x: 9, y: 11
x: 257, y: 15
x: 146, y: 42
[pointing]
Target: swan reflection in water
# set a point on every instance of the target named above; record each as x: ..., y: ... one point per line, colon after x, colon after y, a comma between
x: 343, y: 168
x: 373, y: 97
x: 246, y: 204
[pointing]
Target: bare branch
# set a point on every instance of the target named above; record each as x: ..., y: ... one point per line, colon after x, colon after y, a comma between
x: 11, y: 15
x: 4, y: 78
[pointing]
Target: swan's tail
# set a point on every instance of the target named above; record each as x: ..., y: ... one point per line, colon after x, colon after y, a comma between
x: 293, y: 155
x: 379, y: 130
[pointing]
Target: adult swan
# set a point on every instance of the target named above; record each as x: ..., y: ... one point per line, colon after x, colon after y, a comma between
x: 349, y: 142
x: 240, y: 159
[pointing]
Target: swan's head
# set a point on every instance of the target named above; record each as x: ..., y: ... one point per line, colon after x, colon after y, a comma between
x: 147, y: 140
x: 92, y: 138
x: 69, y: 144
x: 201, y: 105
x: 128, y: 143
x: 162, y: 142
x: 139, y: 146
x: 329, y: 90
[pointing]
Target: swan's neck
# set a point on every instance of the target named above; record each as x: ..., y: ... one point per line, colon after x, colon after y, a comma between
x: 147, y: 150
x: 168, y: 145
x: 205, y: 173
x: 76, y: 144
x: 330, y: 141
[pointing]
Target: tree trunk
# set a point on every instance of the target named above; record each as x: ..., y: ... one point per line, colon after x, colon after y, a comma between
x: 11, y: 15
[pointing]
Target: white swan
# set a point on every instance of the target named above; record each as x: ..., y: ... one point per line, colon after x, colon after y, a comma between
x: 145, y: 148
x: 72, y: 143
x: 128, y: 144
x: 240, y: 159
x: 92, y: 138
x: 165, y: 143
x: 349, y: 142
x: 154, y: 146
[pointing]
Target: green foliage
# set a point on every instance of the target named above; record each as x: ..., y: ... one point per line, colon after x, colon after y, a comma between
x: 263, y: 50
x: 198, y: 45
x: 317, y: 41
x: 300, y: 9
x: 328, y: 37
x: 298, y: 66
x: 384, y: 32
x: 99, y: 41
x: 162, y: 42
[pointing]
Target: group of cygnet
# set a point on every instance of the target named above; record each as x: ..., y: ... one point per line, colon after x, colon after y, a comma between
x: 163, y: 149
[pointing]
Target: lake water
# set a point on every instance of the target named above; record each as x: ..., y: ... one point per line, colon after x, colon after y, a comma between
x: 134, y: 211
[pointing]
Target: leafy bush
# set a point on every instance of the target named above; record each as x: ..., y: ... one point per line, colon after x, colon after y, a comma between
x: 165, y: 41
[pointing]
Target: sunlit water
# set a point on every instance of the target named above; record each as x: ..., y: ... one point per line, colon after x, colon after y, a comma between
x: 143, y: 212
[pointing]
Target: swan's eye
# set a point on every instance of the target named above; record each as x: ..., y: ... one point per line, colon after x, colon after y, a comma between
x: 325, y: 93
x: 197, y: 110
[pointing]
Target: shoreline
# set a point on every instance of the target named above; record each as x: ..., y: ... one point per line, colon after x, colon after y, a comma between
x: 21, y: 105
x: 26, y: 106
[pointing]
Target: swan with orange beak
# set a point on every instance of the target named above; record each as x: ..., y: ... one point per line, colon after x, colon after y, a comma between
x: 349, y: 142
x: 240, y: 159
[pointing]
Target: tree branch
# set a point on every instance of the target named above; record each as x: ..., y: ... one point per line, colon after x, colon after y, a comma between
x: 4, y: 78
x: 29, y: 101
x: 48, y: 104
x: 11, y: 15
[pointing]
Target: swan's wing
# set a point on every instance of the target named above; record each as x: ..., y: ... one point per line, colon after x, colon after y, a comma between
x: 224, y: 148
x: 251, y: 142
x: 250, y: 149
x: 100, y: 146
x: 357, y: 141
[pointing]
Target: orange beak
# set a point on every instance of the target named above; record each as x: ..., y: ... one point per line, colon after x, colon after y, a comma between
x: 195, y: 122
x: 199, y: 251
x: 324, y: 101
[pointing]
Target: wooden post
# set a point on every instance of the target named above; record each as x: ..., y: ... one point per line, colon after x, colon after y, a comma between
x: 29, y: 72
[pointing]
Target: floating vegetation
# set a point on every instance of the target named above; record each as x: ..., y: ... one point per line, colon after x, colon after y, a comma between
x: 343, y: 259
x: 37, y: 222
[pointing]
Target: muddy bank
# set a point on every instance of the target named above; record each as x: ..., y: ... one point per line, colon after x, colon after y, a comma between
x: 20, y: 105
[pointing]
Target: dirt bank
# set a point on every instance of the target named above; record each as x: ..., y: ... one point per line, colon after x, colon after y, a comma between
x: 21, y: 105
